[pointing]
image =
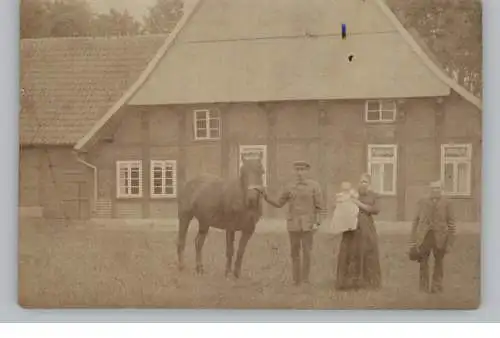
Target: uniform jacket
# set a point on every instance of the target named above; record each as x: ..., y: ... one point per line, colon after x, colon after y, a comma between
x: 305, y: 204
x: 437, y: 216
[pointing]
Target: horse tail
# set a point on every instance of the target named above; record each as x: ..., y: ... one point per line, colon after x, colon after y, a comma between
x: 185, y: 215
x: 184, y: 221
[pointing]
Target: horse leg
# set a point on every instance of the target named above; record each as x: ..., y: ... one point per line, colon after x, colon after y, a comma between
x: 184, y: 220
x: 199, y: 241
x: 245, y: 237
x: 229, y: 250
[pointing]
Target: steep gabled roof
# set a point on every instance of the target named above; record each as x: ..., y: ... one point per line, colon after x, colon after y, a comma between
x: 260, y: 50
x: 67, y: 84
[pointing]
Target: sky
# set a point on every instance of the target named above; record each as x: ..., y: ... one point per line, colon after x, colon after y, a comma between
x: 137, y: 8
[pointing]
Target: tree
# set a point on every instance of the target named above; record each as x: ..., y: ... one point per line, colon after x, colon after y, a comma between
x: 115, y: 23
x: 60, y: 18
x: 33, y: 18
x: 69, y: 18
x: 452, y: 29
x: 163, y: 16
x: 43, y: 18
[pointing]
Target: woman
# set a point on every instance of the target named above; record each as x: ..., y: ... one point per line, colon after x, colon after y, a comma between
x: 358, y: 264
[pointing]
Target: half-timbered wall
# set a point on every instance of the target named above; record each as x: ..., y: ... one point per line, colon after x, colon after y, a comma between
x: 332, y: 135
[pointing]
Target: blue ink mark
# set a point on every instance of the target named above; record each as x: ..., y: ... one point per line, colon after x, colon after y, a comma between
x: 344, y: 31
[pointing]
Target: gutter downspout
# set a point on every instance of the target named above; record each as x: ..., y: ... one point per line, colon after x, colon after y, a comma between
x: 94, y: 169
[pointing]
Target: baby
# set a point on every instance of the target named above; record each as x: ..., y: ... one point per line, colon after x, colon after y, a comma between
x: 345, y: 215
x: 346, y: 193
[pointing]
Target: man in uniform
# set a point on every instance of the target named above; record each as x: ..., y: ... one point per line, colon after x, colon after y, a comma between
x: 305, y: 213
x: 433, y: 231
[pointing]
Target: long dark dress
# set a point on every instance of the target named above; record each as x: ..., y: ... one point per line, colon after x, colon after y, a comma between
x: 358, y: 264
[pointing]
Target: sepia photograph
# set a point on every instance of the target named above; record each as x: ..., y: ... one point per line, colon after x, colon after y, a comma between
x: 250, y: 154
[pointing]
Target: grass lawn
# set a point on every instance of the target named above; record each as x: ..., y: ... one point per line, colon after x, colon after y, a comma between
x: 67, y: 267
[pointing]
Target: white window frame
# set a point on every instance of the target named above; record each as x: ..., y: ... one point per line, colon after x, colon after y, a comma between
x: 259, y: 147
x: 381, y: 160
x: 455, y: 161
x: 164, y: 164
x: 207, y: 119
x: 380, y: 110
x: 129, y: 165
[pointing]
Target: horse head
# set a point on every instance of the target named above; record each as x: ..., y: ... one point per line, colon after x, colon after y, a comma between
x: 251, y: 177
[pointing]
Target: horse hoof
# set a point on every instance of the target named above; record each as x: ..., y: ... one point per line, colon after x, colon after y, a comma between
x: 180, y: 267
x: 199, y: 270
x: 236, y: 274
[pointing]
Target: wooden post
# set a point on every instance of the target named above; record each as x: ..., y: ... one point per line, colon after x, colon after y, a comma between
x: 272, y: 153
x: 146, y: 163
x: 182, y: 141
x: 439, y: 136
x: 401, y: 180
x: 225, y: 144
x: 323, y: 169
x: 40, y: 183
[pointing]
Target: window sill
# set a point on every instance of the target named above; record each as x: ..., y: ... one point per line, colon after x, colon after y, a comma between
x: 458, y: 196
x: 386, y: 194
x: 381, y: 122
x: 163, y: 197
x: 128, y: 197
x: 206, y: 139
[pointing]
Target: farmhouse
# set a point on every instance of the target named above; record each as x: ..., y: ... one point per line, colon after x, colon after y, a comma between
x: 67, y: 84
x: 239, y: 77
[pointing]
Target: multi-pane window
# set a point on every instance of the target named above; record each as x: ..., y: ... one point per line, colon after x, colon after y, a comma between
x: 456, y: 168
x: 255, y: 152
x: 380, y: 111
x: 206, y: 124
x: 382, y: 165
x: 128, y: 179
x: 163, y: 178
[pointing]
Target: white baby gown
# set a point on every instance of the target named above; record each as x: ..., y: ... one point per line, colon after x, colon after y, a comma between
x: 345, y: 216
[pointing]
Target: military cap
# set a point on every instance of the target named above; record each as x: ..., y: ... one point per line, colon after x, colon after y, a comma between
x: 436, y: 184
x: 301, y: 164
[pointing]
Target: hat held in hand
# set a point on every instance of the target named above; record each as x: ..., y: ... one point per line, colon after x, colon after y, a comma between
x: 414, y: 254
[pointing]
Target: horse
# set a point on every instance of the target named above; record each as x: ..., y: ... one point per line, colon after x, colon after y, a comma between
x: 228, y: 205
